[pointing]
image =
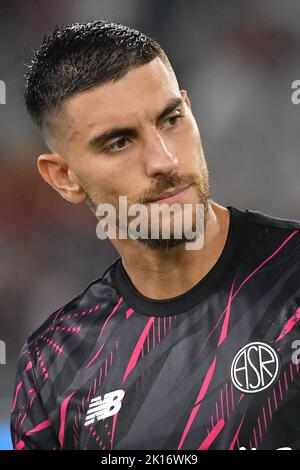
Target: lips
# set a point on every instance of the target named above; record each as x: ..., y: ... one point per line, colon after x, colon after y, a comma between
x: 169, y: 193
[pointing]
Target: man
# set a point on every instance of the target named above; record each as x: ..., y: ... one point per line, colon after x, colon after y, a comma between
x: 172, y: 348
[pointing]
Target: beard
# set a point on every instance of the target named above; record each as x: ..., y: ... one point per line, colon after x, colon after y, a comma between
x: 196, y: 229
x: 173, y: 241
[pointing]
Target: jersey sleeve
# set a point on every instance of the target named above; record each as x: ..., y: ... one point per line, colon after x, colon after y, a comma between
x: 31, y: 428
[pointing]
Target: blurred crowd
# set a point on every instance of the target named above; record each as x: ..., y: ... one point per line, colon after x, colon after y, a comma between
x: 237, y: 60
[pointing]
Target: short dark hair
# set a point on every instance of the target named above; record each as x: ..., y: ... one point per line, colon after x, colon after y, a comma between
x: 79, y: 56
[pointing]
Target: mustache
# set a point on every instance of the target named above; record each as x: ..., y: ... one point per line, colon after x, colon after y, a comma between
x: 167, y: 183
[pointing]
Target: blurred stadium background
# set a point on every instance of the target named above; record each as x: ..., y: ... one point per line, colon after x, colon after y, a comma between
x: 237, y: 59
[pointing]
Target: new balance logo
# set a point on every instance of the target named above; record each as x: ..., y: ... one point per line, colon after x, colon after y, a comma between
x: 101, y: 409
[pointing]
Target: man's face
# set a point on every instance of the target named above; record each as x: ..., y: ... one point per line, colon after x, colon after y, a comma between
x: 120, y: 139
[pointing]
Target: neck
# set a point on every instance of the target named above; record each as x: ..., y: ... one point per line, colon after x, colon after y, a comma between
x: 163, y: 275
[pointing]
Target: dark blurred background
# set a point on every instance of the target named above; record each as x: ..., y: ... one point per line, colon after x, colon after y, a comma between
x: 237, y: 59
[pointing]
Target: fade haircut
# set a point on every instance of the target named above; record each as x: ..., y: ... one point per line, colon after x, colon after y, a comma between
x: 79, y: 56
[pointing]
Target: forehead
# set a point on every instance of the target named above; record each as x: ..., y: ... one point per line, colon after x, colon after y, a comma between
x: 140, y: 94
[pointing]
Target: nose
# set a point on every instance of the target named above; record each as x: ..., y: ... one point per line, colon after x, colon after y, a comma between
x: 158, y: 158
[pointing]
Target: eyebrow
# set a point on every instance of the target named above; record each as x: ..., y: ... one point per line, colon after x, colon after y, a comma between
x: 101, y: 139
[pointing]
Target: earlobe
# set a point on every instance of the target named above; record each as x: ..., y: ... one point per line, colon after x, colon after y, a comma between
x: 54, y: 170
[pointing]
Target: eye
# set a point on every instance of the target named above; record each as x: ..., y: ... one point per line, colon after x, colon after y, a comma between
x: 172, y: 121
x: 116, y: 146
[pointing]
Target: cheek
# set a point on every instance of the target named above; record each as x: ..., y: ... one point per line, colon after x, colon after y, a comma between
x: 189, y: 144
x: 98, y: 183
x: 111, y: 185
x: 193, y: 132
x: 189, y: 130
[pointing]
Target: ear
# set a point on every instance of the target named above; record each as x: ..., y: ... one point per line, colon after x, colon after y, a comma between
x: 186, y: 98
x: 55, y: 171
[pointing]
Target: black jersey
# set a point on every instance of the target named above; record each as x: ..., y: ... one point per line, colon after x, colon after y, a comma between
x: 214, y: 368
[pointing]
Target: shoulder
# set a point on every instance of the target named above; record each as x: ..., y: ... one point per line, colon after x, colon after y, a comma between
x: 65, y: 319
x: 269, y: 221
x: 263, y: 220
x: 254, y: 223
x: 264, y: 236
